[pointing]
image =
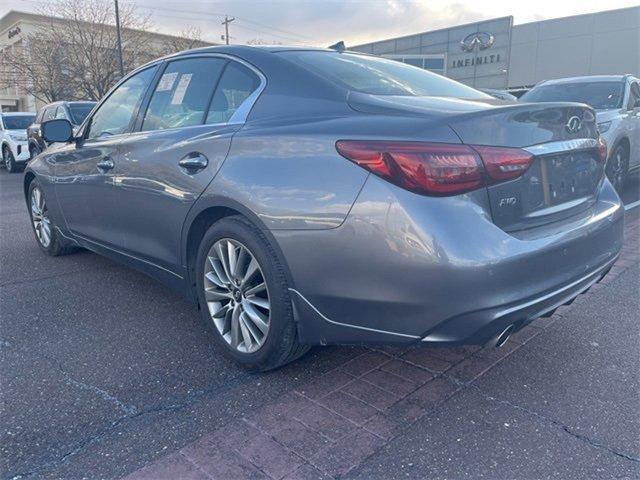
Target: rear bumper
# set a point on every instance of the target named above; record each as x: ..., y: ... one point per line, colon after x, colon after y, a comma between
x: 405, y: 268
x: 481, y: 326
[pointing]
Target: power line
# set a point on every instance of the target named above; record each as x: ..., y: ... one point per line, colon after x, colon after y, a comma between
x: 199, y: 13
x: 281, y: 33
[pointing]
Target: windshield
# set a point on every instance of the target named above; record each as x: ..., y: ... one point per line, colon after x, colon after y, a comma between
x: 599, y: 95
x: 17, y: 122
x: 79, y: 112
x: 381, y: 76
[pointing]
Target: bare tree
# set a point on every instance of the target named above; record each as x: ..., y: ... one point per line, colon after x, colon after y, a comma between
x: 73, y: 52
x: 88, y: 37
x: 190, y: 37
x: 36, y: 67
x: 262, y: 41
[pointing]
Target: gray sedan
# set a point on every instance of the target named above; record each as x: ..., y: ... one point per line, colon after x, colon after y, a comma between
x: 307, y: 197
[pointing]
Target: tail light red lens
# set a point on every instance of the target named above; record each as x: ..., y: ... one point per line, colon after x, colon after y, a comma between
x: 431, y: 168
x: 504, y: 163
x: 602, y: 149
x: 437, y: 169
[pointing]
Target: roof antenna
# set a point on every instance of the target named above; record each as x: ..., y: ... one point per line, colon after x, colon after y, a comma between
x: 338, y: 47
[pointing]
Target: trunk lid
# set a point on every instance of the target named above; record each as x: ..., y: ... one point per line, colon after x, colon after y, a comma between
x: 565, y: 172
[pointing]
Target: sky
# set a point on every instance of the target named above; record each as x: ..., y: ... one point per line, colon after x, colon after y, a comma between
x: 323, y: 22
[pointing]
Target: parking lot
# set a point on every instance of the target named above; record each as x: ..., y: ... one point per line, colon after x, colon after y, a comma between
x: 106, y: 373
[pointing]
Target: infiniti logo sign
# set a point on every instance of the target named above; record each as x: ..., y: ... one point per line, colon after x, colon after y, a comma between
x: 483, y: 40
x: 573, y: 125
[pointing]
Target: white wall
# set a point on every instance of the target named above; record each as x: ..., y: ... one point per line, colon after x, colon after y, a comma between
x: 599, y: 43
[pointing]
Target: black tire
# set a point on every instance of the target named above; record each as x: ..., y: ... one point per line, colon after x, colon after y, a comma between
x: 281, y: 345
x: 9, y: 160
x: 618, y: 167
x: 58, y: 245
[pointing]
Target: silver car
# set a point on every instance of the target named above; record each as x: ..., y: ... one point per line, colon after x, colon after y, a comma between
x: 309, y: 197
x: 616, y: 99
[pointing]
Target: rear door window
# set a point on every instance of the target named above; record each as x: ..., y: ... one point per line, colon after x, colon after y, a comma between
x: 183, y: 93
x: 236, y: 85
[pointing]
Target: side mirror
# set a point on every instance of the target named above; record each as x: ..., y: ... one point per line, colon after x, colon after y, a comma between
x: 57, y: 131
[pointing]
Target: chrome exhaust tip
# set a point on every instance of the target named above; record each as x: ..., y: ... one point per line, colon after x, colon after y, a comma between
x: 502, y: 338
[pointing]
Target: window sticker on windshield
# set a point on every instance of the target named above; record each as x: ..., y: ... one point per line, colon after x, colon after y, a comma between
x: 166, y: 82
x: 181, y: 89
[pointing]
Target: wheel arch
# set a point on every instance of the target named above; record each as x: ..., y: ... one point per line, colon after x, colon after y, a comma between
x: 29, y: 177
x: 204, y: 214
x: 625, y: 142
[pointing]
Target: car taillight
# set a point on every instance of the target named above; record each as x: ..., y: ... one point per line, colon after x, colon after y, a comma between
x: 602, y: 149
x: 504, y: 163
x: 437, y: 169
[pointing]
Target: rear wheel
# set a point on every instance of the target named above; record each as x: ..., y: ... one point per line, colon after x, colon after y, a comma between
x: 244, y: 296
x: 49, y: 239
x: 617, y: 167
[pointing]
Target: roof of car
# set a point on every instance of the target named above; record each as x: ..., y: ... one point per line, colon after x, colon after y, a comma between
x: 245, y: 52
x: 586, y: 79
x: 236, y: 49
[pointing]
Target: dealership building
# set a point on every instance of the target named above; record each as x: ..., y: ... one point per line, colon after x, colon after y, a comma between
x: 498, y: 54
x: 16, y: 28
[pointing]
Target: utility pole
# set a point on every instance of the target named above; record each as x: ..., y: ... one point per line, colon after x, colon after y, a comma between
x: 119, y: 40
x: 226, y: 23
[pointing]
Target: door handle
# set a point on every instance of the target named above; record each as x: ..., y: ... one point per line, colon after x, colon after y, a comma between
x: 106, y: 164
x: 193, y: 162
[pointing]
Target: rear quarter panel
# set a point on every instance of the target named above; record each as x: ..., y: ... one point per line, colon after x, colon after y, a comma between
x: 291, y: 176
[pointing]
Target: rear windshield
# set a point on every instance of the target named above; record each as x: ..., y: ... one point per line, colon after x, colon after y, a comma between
x: 79, y: 112
x: 380, y: 76
x: 599, y: 95
x: 17, y: 122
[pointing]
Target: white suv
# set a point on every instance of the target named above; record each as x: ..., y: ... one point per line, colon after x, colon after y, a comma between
x: 13, y: 139
x: 616, y: 99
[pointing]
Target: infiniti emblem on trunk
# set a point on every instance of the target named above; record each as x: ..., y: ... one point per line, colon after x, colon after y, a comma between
x: 574, y: 124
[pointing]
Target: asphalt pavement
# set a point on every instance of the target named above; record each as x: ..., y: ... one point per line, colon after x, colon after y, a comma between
x: 104, y: 371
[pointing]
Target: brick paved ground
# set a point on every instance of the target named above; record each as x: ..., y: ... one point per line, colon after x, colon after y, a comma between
x: 326, y: 428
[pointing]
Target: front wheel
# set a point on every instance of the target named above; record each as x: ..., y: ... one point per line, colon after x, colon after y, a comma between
x: 9, y: 160
x: 49, y: 239
x: 244, y: 296
x: 617, y: 167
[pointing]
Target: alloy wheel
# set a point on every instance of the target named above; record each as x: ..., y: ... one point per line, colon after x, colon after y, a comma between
x: 237, y: 295
x: 40, y: 217
x: 616, y: 169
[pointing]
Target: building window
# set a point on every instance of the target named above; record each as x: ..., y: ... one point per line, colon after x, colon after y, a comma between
x: 433, y: 63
